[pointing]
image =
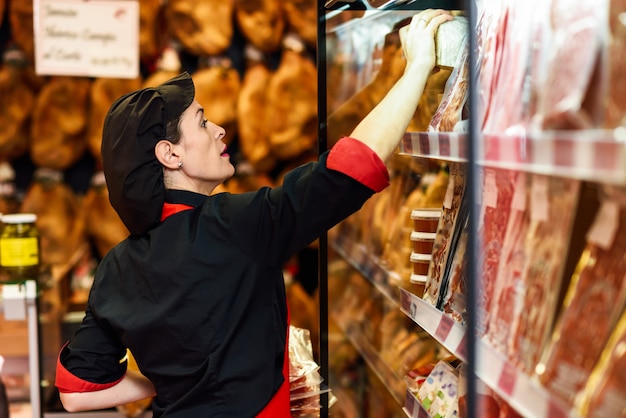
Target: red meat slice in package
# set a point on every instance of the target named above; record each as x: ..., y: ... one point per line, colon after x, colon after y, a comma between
x: 571, y: 97
x: 454, y: 301
x: 507, y: 298
x: 594, y: 301
x: 497, y: 195
x: 489, y: 42
x: 451, y: 115
x: 553, y: 203
x: 448, y: 231
x: 509, y: 102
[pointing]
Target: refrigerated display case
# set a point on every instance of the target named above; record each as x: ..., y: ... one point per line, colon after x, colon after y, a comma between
x: 526, y: 300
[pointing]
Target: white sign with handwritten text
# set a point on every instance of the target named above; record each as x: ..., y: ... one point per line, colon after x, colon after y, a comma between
x: 93, y: 38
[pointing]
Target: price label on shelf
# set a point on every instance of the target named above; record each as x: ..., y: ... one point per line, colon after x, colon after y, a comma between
x: 444, y: 146
x: 461, y: 349
x: 405, y: 300
x: 555, y: 411
x: 604, y: 228
x: 421, y: 412
x: 491, y: 190
x: 443, y: 329
x: 539, y: 207
x: 409, y: 402
x: 508, y: 376
x: 424, y: 144
x: 519, y: 197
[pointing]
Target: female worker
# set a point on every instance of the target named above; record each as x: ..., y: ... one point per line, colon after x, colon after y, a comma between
x: 196, y: 292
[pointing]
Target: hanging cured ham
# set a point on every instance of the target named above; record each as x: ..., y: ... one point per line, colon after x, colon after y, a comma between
x: 252, y: 124
x: 302, y: 19
x: 17, y: 100
x: 102, y: 223
x: 60, y: 224
x: 21, y: 21
x: 292, y: 103
x: 168, y: 67
x: 149, y: 28
x: 103, y: 92
x: 59, y: 126
x: 572, y: 95
x: 262, y: 23
x: 217, y: 90
x: 203, y: 27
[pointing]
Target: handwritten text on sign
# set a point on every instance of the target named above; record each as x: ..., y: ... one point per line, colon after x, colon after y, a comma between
x: 87, y: 38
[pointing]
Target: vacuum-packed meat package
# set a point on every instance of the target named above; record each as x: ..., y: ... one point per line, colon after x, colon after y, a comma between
x: 448, y: 232
x: 452, y: 113
x: 508, y: 107
x: 553, y: 202
x: 454, y: 302
x: 497, y: 195
x: 571, y: 97
x: 490, y: 31
x: 595, y: 299
x: 507, y: 296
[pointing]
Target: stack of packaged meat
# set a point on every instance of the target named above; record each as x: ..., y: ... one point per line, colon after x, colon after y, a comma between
x: 305, y: 381
x: 448, y: 233
x: 552, y: 207
x: 552, y: 65
x: 595, y: 299
x: 497, y: 196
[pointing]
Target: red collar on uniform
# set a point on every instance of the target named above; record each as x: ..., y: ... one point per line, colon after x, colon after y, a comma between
x: 170, y: 209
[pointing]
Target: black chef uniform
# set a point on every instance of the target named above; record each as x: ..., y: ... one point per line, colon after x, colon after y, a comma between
x: 200, y: 300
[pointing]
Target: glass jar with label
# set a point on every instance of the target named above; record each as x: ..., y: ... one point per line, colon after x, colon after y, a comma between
x: 19, y: 246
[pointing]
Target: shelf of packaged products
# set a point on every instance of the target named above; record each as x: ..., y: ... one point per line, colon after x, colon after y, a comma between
x: 449, y: 146
x: 413, y: 408
x: 381, y: 369
x: 594, y: 155
x: 443, y: 328
x: 358, y: 256
x: 518, y: 389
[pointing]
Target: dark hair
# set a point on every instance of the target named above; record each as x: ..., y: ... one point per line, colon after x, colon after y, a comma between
x: 172, y: 130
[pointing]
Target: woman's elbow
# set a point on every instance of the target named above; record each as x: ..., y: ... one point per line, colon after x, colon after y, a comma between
x: 71, y: 402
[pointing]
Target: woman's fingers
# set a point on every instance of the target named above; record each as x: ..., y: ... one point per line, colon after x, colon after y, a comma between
x: 437, y: 20
x: 417, y: 38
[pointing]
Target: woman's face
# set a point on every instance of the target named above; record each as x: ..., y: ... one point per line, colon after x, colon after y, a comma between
x: 202, y: 151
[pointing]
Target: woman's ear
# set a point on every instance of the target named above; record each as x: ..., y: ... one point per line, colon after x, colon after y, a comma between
x: 164, y: 151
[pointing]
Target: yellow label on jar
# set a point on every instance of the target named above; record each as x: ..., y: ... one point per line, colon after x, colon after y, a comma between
x: 19, y: 252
